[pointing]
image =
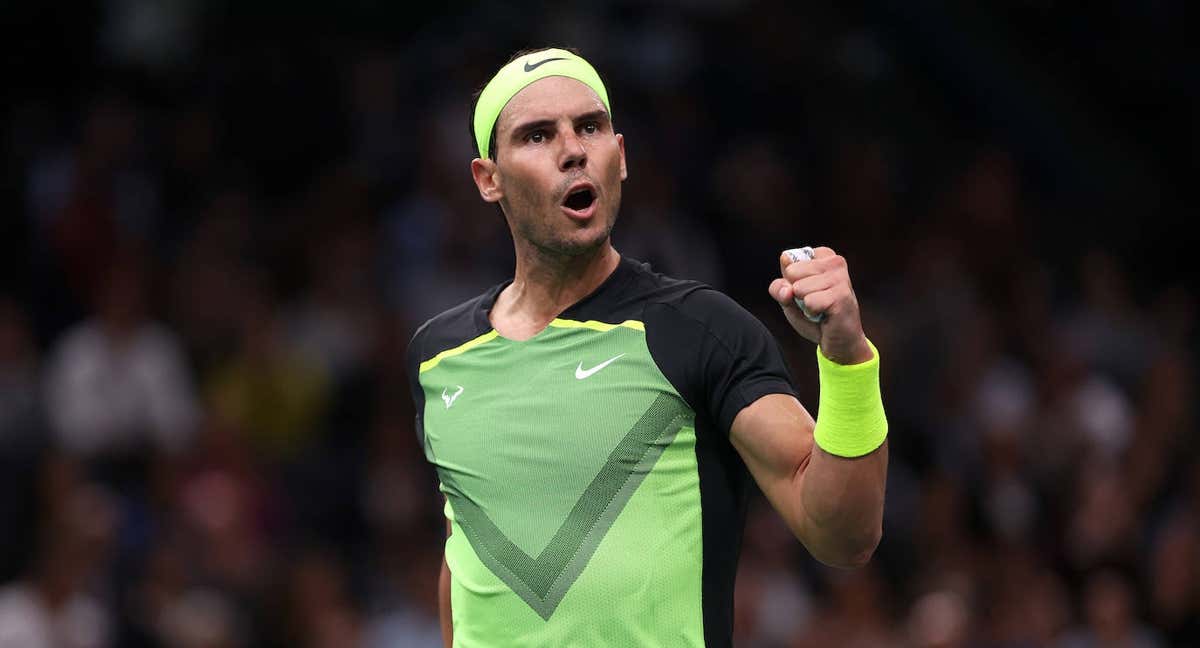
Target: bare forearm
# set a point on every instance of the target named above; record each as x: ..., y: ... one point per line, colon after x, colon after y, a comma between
x: 840, y: 506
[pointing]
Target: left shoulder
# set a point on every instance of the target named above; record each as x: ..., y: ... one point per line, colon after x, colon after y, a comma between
x: 717, y: 313
x: 686, y: 295
x: 687, y: 302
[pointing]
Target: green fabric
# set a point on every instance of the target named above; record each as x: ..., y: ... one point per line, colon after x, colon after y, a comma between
x: 513, y: 77
x: 574, y: 503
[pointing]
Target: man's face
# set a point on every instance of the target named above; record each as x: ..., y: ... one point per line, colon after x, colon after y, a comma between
x: 559, y: 166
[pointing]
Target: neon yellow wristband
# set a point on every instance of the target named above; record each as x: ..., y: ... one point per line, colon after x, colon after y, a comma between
x: 850, y: 417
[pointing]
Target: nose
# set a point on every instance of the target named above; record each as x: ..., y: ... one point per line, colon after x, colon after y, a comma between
x: 573, y: 154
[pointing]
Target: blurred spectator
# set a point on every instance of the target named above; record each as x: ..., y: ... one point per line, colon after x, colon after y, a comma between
x: 773, y: 603
x: 227, y: 510
x: 1027, y: 604
x: 1101, y: 528
x: 440, y: 251
x: 1174, y: 576
x: 320, y: 612
x: 332, y: 326
x: 86, y: 200
x: 200, y: 619
x: 270, y: 391
x: 167, y: 609
x: 1105, y: 329
x: 1110, y: 617
x: 57, y: 605
x: 395, y: 496
x: 118, y: 382
x: 206, y: 281
x: 405, y: 561
x: 939, y: 620
x: 406, y: 602
x: 852, y: 614
x: 19, y: 398
x: 22, y: 435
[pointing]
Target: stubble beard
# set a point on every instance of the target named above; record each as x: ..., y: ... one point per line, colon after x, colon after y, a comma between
x: 544, y: 235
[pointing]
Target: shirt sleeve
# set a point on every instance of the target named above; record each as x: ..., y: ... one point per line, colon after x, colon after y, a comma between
x: 716, y: 354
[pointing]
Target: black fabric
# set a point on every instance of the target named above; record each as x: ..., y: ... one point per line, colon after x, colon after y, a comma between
x: 724, y: 489
x: 720, y: 358
x: 718, y: 355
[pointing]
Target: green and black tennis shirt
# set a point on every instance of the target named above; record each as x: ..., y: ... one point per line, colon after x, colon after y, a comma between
x: 594, y: 496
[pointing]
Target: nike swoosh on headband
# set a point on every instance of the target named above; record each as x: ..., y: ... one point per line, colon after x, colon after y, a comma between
x: 518, y: 74
x: 531, y: 67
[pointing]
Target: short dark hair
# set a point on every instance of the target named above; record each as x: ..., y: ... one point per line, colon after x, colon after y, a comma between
x: 479, y: 91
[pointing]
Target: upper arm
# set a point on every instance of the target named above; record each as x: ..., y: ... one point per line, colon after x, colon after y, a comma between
x: 774, y: 436
x: 730, y: 369
x: 833, y: 505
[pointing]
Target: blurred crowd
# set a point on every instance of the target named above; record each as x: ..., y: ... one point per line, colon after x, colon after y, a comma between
x: 220, y: 233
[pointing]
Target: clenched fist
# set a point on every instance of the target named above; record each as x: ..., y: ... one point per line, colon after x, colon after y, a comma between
x: 823, y: 283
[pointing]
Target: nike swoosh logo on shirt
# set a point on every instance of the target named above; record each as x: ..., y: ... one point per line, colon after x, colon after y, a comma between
x: 581, y: 373
x: 531, y: 67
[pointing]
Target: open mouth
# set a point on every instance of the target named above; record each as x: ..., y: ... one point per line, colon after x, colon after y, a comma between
x: 580, y: 199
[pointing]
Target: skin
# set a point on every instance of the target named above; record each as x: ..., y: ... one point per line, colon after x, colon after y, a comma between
x: 555, y: 132
x: 832, y: 504
x: 552, y: 134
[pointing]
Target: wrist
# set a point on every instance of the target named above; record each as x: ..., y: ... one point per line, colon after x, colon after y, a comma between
x: 858, y: 353
x: 850, y: 418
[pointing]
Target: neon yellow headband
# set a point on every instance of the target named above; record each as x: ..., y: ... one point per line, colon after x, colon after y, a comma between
x: 513, y: 78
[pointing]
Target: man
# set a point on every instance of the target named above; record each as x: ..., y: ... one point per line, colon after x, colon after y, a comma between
x: 593, y: 423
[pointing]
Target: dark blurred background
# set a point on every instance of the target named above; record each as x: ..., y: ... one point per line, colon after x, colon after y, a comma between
x: 222, y: 223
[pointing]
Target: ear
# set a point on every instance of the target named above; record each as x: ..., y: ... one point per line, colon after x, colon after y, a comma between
x: 485, y: 172
x: 621, y: 147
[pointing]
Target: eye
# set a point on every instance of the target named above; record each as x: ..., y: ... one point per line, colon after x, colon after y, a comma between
x: 590, y: 128
x: 536, y: 137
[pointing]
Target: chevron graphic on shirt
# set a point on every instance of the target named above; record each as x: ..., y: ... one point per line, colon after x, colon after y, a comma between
x: 542, y: 580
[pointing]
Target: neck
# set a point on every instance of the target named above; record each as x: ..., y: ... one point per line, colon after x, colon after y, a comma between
x: 545, y: 285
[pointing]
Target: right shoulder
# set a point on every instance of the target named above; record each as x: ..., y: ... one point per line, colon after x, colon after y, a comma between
x: 451, y: 328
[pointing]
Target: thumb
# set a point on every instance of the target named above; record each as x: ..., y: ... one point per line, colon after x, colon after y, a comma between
x: 781, y: 292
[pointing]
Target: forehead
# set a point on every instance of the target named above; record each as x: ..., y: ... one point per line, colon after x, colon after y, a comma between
x: 548, y: 98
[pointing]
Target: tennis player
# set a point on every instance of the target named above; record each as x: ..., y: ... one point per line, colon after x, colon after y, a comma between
x: 595, y: 425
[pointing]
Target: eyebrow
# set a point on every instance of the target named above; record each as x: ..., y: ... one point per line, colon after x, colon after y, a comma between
x: 595, y: 115
x: 531, y: 126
